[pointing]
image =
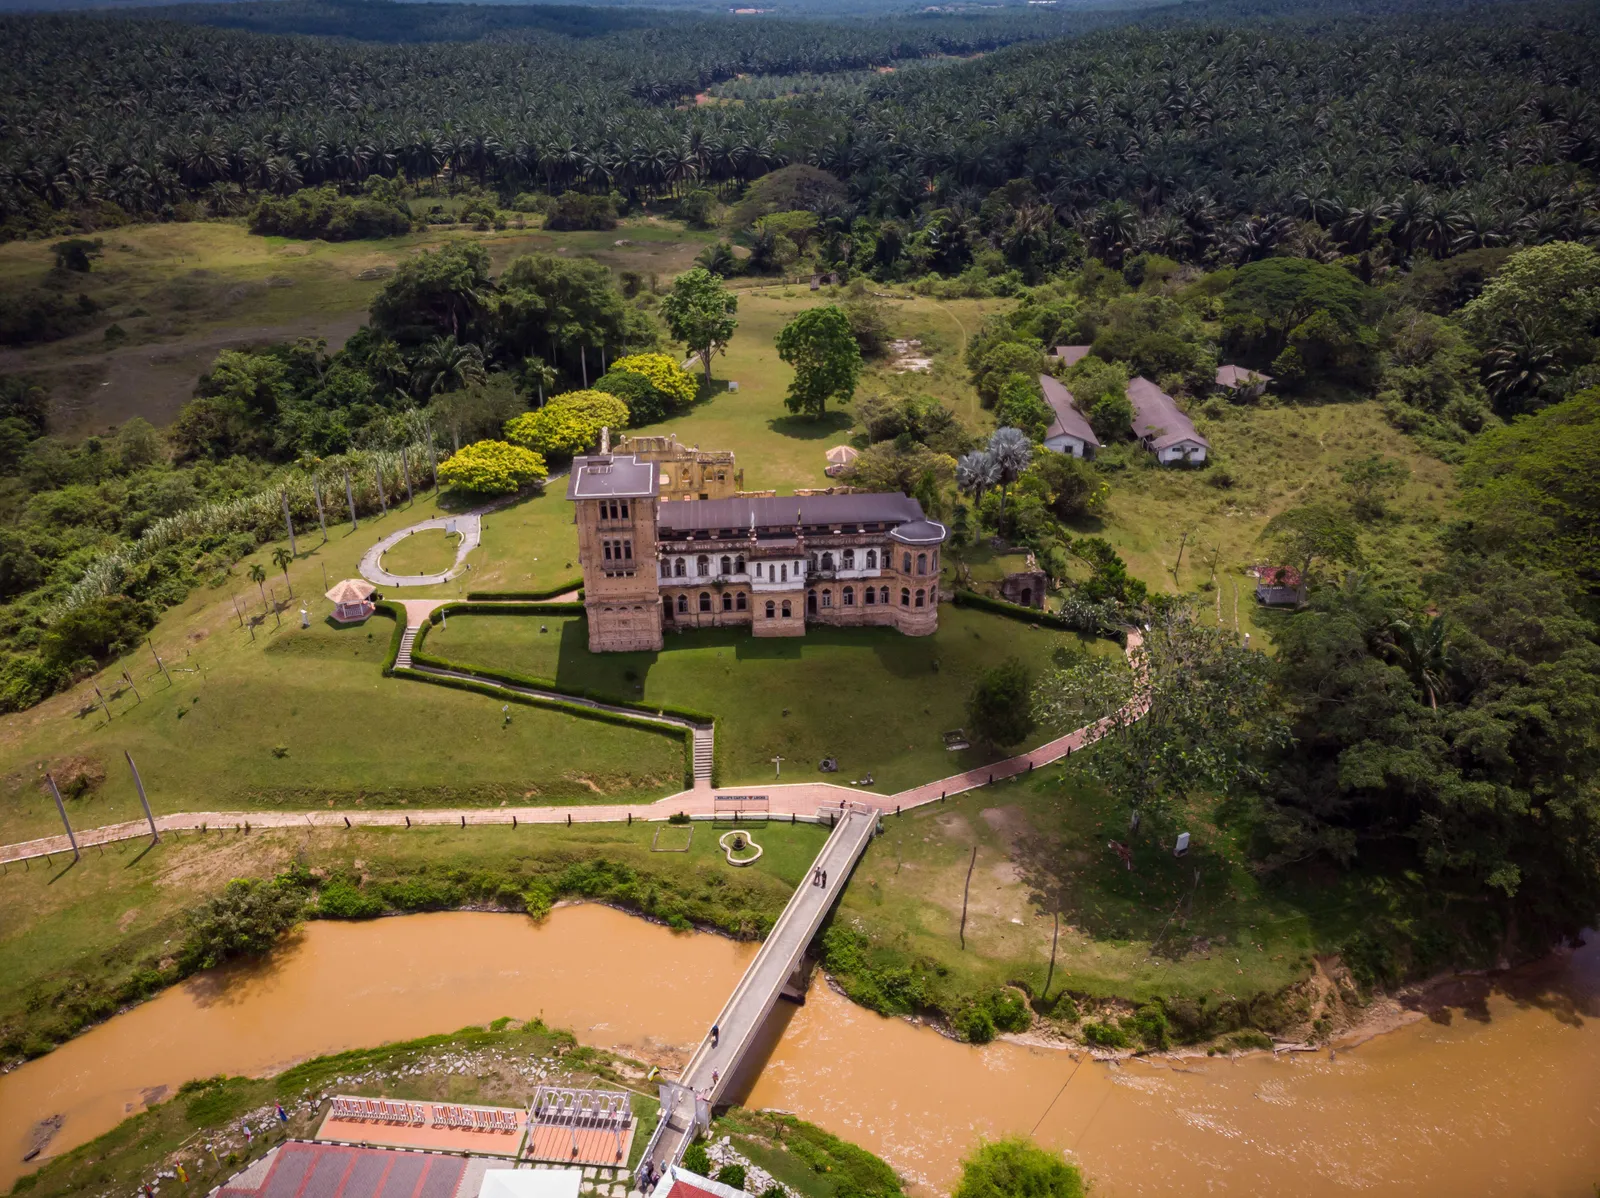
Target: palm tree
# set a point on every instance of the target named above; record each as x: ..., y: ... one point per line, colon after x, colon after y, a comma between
x: 446, y: 364
x: 282, y: 558
x: 1426, y: 653
x: 258, y: 575
x: 1519, y: 363
x: 976, y: 472
x: 1011, y: 451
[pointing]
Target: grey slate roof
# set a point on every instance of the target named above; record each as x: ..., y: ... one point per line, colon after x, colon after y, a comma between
x: 1069, y: 421
x: 1156, y: 416
x: 786, y: 511
x: 612, y: 476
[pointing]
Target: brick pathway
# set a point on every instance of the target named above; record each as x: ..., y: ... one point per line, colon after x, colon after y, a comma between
x: 802, y: 799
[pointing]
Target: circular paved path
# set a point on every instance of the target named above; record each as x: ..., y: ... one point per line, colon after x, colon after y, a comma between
x: 468, y: 524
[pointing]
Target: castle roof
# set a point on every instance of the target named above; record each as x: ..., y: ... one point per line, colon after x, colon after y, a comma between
x: 612, y: 476
x: 791, y: 511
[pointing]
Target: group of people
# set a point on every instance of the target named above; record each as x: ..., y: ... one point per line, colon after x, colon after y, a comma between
x: 819, y: 876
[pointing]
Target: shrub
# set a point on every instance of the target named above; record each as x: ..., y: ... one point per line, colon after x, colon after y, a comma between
x: 1017, y: 1168
x: 322, y: 212
x: 35, y: 316
x: 1000, y: 709
x: 421, y: 894
x: 671, y: 387
x: 1009, y: 1012
x: 246, y: 919
x: 974, y: 1024
x: 1149, y: 1023
x: 697, y: 1160
x: 568, y: 424
x: 341, y: 900
x: 1105, y: 1035
x: 731, y: 1175
x: 574, y: 210
x: 492, y: 468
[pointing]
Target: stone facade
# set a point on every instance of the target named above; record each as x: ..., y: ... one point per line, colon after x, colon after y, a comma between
x: 773, y: 564
x: 1026, y: 587
x: 686, y: 473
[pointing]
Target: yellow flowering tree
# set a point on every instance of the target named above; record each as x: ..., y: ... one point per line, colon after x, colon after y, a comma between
x: 492, y: 468
x: 652, y: 385
x: 568, y: 424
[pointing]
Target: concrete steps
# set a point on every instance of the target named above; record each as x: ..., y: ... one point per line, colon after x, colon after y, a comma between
x: 402, y: 659
x: 703, y: 754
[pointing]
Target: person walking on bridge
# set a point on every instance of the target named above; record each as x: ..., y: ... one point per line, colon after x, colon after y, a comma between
x: 716, y: 1035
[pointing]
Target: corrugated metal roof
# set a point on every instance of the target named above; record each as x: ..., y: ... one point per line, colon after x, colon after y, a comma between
x: 1069, y: 422
x: 1156, y: 415
x: 786, y: 511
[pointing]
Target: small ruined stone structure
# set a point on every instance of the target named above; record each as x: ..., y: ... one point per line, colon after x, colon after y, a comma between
x: 1026, y: 587
x: 686, y: 473
x: 773, y: 563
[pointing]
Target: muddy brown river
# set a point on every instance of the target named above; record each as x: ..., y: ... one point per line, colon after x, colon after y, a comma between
x: 1500, y: 1094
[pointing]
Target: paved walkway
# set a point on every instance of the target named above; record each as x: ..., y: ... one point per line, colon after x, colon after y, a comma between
x: 803, y: 799
x: 468, y: 524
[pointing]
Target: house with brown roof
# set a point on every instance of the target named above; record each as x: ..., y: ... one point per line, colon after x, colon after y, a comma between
x: 1241, y: 382
x: 1162, y: 427
x: 1069, y: 432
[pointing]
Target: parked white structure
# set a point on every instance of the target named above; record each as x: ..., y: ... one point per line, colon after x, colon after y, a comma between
x: 1161, y: 425
x: 1069, y: 432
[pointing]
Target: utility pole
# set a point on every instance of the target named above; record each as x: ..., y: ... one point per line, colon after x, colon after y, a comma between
x: 965, y: 890
x: 160, y: 665
x: 62, y: 808
x: 288, y: 522
x: 350, y: 497
x: 138, y: 783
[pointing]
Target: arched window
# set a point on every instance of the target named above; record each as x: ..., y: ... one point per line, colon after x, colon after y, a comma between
x: 883, y: 596
x: 738, y: 565
x: 905, y: 597
x: 921, y: 596
x: 849, y: 556
x: 786, y: 612
x: 827, y: 561
x: 739, y: 600
x: 727, y: 565
x: 702, y: 565
x: 705, y: 600
x: 849, y: 596
x: 783, y: 573
x: 811, y: 602
x: 771, y: 608
x: 677, y: 568
x: 727, y: 600
x: 872, y: 559
x: 922, y: 563
x: 683, y: 605
x: 905, y: 564
x: 872, y: 597
x: 758, y: 569
x: 827, y: 598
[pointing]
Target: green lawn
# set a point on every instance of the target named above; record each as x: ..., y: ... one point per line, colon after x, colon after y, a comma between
x: 1201, y: 925
x: 872, y: 698
x: 304, y: 718
x: 431, y: 551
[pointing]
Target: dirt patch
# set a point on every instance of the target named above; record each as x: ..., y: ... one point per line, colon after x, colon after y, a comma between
x: 226, y: 855
x: 127, y: 919
x: 75, y: 776
x: 1011, y: 824
x: 151, y: 1095
x: 954, y: 826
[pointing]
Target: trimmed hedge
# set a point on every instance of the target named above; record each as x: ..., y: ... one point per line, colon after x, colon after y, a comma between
x: 1030, y: 615
x: 505, y: 609
x: 545, y: 684
x: 588, y: 713
x: 396, y: 613
x: 572, y: 584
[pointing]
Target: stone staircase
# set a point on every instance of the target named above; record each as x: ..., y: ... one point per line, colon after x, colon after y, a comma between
x: 402, y: 659
x: 703, y: 751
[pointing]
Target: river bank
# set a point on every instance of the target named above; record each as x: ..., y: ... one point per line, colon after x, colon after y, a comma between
x: 1502, y: 1086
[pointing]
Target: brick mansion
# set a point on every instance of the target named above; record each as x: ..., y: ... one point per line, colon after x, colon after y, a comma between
x: 773, y: 563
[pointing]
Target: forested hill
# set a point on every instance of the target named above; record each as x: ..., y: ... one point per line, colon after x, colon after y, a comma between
x: 1176, y: 135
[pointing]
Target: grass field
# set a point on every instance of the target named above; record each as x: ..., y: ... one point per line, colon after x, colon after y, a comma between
x: 1203, y: 925
x: 431, y: 551
x: 872, y: 698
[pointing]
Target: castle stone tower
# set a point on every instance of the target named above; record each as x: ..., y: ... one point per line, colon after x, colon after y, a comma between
x: 615, y: 497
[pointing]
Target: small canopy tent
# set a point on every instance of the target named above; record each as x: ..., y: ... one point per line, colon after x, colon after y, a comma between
x: 351, y: 599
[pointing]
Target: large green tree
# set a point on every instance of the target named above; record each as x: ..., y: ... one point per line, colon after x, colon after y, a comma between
x: 438, y: 293
x: 819, y: 345
x: 567, y: 311
x: 700, y: 312
x: 1304, y: 317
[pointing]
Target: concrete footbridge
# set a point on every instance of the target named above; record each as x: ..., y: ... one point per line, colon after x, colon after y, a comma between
x: 686, y: 1104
